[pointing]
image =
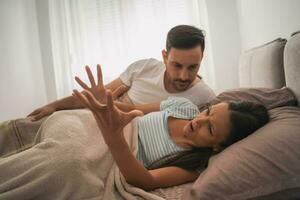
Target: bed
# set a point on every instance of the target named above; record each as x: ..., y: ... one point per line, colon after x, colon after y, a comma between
x: 274, y: 65
x: 265, y: 165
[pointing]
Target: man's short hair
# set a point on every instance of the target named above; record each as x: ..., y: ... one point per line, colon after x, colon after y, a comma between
x: 185, y: 37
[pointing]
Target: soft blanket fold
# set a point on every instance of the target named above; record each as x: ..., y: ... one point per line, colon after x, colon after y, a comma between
x: 68, y: 160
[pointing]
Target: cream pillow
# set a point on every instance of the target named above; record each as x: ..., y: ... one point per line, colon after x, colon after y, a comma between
x: 263, y: 66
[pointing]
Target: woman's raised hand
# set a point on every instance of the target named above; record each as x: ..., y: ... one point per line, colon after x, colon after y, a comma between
x: 110, y: 119
x: 98, y: 90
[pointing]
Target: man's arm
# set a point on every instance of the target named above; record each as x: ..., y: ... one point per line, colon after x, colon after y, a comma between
x: 145, y: 108
x: 71, y: 102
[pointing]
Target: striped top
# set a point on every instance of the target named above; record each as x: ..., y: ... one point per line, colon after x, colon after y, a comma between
x: 154, y: 141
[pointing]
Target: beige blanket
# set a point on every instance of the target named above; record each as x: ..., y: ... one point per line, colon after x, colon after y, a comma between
x: 67, y: 160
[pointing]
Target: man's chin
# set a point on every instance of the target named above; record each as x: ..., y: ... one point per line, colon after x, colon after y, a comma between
x: 181, y: 88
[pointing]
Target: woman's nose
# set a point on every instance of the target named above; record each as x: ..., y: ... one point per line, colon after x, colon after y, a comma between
x: 200, y: 120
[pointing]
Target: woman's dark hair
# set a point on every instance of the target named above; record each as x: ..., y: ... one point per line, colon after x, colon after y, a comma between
x: 185, y: 37
x: 245, y: 118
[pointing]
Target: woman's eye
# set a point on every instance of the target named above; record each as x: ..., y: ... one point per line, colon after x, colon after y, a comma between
x: 209, y: 125
x: 210, y: 130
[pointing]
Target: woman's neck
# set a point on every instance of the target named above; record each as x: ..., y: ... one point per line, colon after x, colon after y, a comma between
x: 175, y: 127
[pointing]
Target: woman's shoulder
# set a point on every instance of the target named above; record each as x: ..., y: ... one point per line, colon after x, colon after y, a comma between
x: 179, y: 107
x: 177, y: 101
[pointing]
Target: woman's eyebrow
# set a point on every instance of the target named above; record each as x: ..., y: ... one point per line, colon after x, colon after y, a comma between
x: 212, y: 127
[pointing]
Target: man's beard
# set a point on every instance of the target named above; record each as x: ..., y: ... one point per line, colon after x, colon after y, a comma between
x: 181, y: 85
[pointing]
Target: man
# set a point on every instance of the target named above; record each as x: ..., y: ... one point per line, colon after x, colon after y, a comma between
x: 150, y: 80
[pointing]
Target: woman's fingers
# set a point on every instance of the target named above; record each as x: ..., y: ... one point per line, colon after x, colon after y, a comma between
x: 90, y: 75
x: 110, y: 102
x: 119, y: 91
x: 100, y: 77
x: 81, y: 83
x: 134, y: 113
x: 93, y: 101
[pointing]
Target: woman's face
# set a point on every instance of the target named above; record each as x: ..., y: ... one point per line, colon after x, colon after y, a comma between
x: 210, y: 127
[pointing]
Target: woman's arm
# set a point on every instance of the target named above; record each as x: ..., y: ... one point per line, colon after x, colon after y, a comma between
x: 111, y: 122
x: 136, y: 174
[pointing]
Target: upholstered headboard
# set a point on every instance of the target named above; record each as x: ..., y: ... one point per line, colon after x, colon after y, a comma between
x: 292, y: 64
x: 273, y: 65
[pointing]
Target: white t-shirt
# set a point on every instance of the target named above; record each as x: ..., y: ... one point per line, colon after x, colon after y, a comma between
x: 146, y: 81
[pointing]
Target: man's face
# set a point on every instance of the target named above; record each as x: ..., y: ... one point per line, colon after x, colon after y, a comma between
x: 182, y: 66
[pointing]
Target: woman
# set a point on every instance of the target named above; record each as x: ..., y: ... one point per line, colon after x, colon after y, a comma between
x: 174, y: 138
x: 69, y: 160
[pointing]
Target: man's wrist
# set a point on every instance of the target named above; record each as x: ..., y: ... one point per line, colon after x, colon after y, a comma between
x: 54, y: 105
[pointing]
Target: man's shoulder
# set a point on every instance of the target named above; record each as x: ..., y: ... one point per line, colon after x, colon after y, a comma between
x: 153, y: 63
x: 150, y: 66
x: 146, y: 62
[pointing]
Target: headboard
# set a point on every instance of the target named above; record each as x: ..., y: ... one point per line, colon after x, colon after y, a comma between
x: 273, y: 65
x: 292, y: 64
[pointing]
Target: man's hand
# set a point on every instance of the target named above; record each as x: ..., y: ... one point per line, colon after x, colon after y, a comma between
x: 110, y: 119
x: 42, y: 112
x: 98, y: 90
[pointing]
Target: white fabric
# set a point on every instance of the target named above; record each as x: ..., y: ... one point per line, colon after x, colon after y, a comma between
x: 146, y: 80
x: 70, y: 160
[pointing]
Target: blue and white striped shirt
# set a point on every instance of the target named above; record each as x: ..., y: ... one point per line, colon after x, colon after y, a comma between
x: 154, y: 139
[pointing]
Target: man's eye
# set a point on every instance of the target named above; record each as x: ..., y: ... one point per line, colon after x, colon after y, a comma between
x: 193, y: 68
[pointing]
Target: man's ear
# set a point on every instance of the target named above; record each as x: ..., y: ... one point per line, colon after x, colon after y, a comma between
x: 164, y: 55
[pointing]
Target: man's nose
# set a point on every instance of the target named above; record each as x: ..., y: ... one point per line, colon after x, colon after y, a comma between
x: 184, y: 74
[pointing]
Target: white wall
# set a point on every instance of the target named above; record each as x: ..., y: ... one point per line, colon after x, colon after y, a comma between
x: 42, y: 10
x: 225, y: 42
x: 262, y: 21
x: 22, y: 86
x: 237, y: 25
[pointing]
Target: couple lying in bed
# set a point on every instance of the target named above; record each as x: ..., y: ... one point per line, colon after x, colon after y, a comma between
x: 175, y: 138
